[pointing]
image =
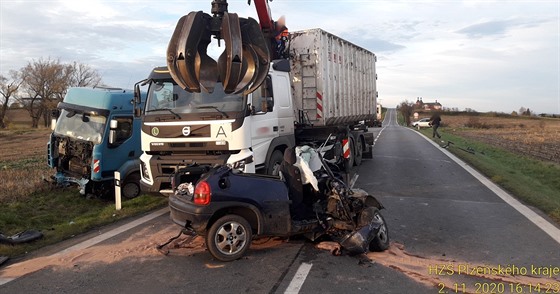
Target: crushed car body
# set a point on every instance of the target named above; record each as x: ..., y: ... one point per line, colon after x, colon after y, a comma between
x: 229, y: 207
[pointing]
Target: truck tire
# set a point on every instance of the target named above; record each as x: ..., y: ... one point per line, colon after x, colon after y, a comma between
x: 229, y: 237
x: 273, y: 166
x: 359, y: 151
x: 381, y: 240
x: 131, y: 186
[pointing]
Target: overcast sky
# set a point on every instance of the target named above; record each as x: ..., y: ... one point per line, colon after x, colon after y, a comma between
x: 479, y: 54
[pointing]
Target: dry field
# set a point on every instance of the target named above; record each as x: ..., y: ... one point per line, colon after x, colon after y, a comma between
x: 23, y: 164
x: 534, y: 137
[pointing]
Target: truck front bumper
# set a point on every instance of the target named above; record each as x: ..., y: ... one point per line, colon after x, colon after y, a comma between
x: 154, y: 188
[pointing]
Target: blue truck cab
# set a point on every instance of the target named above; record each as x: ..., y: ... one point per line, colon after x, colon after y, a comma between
x: 94, y: 135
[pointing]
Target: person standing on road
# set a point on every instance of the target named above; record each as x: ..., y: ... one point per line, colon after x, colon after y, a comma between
x: 435, y: 121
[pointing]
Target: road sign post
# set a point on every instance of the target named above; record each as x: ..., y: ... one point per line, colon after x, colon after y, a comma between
x: 118, y: 205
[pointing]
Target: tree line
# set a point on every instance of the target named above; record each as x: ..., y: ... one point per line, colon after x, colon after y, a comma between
x: 41, y: 85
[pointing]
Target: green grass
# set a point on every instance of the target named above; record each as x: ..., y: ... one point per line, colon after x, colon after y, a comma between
x: 383, y: 113
x: 23, y: 164
x: 62, y: 214
x: 400, y: 119
x: 534, y: 182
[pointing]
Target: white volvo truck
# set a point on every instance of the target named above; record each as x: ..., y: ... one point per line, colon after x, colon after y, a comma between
x: 325, y: 91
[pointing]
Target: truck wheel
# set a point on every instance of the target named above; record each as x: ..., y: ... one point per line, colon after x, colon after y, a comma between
x: 229, y: 237
x: 273, y: 167
x: 381, y: 240
x: 358, y: 155
x: 131, y: 186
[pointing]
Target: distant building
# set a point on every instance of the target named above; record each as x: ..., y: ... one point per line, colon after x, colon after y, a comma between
x: 427, y: 106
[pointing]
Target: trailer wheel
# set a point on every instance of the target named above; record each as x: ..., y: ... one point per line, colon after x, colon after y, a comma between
x: 358, y: 154
x: 381, y: 240
x: 229, y: 237
x: 131, y: 186
x: 273, y: 166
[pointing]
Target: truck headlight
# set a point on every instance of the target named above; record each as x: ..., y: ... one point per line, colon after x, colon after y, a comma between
x: 145, y: 171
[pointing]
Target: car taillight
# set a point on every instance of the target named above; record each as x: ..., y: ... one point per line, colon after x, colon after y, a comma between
x: 202, y: 193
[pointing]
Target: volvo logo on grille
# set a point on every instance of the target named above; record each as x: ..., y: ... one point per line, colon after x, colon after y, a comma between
x: 186, y: 131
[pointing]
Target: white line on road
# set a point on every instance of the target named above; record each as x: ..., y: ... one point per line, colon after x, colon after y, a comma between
x: 538, y: 220
x: 385, y: 125
x: 112, y: 233
x: 98, y: 239
x: 299, y: 278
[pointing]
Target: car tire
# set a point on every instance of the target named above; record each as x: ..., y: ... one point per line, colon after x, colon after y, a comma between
x: 381, y: 240
x: 273, y: 166
x: 229, y: 237
x: 359, y: 152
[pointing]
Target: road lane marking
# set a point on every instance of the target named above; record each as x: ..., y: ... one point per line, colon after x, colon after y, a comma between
x: 299, y: 278
x: 98, y: 239
x: 114, y: 232
x: 532, y: 216
x: 381, y: 131
x: 5, y: 280
x: 377, y: 137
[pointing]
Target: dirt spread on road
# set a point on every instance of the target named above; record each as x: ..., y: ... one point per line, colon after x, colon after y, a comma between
x: 142, y: 246
x: 466, y: 277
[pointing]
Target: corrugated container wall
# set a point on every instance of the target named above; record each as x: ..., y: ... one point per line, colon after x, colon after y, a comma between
x: 334, y: 81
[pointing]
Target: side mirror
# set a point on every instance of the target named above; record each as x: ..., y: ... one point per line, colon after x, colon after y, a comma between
x: 113, y: 124
x: 137, y: 100
x: 268, y: 88
x: 137, y: 94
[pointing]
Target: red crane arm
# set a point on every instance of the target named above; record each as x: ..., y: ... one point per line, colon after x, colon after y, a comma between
x: 265, y: 17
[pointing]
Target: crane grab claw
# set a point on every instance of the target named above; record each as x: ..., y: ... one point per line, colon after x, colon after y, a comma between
x: 241, y: 68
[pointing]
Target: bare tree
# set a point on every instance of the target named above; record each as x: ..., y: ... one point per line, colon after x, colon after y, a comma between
x: 84, y: 75
x: 45, y: 81
x: 406, y: 109
x: 8, y: 89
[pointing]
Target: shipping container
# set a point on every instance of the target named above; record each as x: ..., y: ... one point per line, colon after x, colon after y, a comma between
x: 334, y: 81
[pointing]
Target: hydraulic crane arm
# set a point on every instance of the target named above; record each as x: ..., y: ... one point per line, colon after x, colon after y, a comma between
x: 265, y: 16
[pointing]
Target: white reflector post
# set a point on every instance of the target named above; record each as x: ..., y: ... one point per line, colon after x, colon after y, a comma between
x: 118, y: 190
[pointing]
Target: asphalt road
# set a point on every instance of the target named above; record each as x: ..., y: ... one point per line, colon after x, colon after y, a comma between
x: 440, y: 218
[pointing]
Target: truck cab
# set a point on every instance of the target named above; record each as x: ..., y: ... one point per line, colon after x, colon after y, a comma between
x: 182, y: 129
x: 94, y: 135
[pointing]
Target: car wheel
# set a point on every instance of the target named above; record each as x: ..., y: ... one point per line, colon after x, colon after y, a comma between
x: 229, y: 237
x: 273, y: 167
x: 358, y: 155
x: 131, y: 186
x: 381, y: 240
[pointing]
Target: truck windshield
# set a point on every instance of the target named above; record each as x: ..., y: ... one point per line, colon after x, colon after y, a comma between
x: 80, y: 126
x: 166, y: 95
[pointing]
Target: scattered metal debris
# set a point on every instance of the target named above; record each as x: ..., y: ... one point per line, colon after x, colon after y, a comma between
x: 22, y: 237
x: 468, y: 149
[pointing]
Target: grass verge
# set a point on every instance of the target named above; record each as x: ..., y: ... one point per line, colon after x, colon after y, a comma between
x: 534, y: 182
x: 400, y: 119
x: 62, y: 214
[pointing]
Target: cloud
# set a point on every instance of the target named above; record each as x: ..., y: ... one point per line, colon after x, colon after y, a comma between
x: 486, y: 55
x: 497, y: 27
